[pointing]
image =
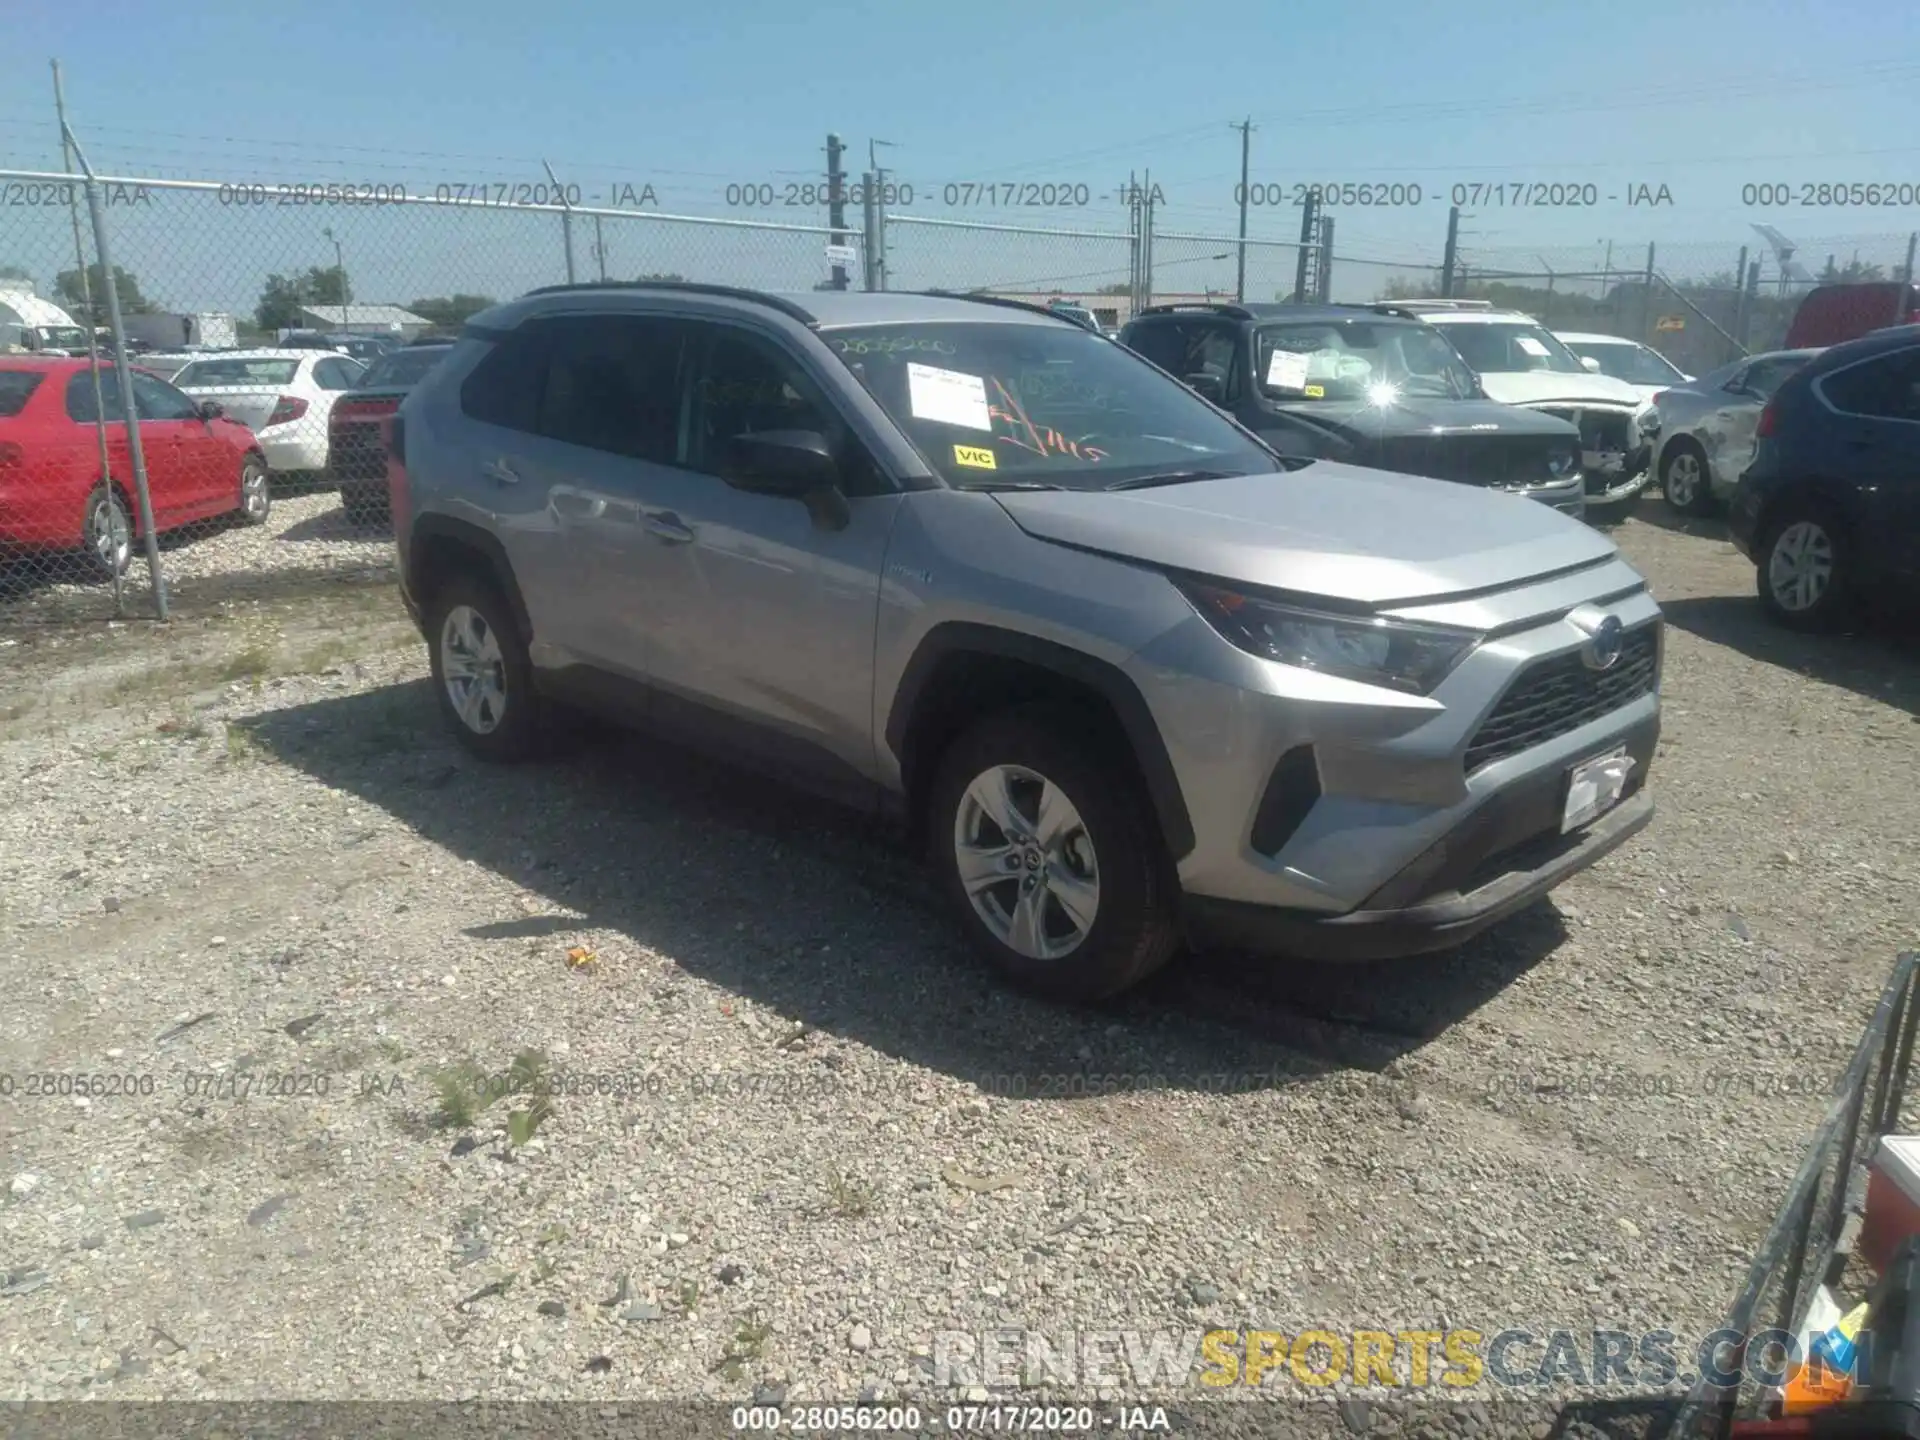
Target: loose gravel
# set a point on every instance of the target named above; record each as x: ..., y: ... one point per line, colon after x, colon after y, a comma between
x: 246, y: 870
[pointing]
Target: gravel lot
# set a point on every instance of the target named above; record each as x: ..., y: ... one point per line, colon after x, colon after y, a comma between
x: 241, y: 850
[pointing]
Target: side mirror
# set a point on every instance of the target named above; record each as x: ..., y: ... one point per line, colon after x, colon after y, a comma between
x: 782, y: 462
x: 1208, y: 387
x: 210, y: 409
x: 1589, y: 364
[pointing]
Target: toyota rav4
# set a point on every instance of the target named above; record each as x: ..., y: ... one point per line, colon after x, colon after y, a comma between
x: 1128, y: 674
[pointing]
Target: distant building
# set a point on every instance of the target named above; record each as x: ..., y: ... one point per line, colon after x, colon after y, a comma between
x: 363, y: 320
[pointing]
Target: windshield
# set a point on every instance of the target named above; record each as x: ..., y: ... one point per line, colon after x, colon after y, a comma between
x: 64, y: 337
x: 402, y: 367
x: 1634, y: 364
x: 1508, y: 345
x: 1358, y: 361
x: 1006, y: 404
x: 238, y: 372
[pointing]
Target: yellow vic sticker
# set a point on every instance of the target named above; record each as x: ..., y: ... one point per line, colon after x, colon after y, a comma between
x: 1316, y: 392
x: 977, y: 456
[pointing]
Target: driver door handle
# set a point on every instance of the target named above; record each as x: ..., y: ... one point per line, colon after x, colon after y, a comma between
x: 500, y: 472
x: 667, y: 527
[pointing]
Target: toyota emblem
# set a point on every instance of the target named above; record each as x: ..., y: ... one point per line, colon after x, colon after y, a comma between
x: 1605, y: 642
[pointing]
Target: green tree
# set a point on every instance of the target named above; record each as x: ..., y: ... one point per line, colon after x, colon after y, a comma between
x: 14, y: 272
x: 67, y: 286
x: 1119, y: 287
x: 282, y: 297
x: 448, y: 312
x: 669, y: 277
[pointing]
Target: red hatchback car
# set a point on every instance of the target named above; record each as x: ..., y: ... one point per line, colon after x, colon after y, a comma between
x: 53, y: 495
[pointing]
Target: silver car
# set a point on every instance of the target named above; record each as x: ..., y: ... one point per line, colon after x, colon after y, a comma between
x: 1126, y: 674
x: 1705, y: 428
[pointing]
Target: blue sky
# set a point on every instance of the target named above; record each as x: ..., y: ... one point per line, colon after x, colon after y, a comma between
x: 1700, y: 97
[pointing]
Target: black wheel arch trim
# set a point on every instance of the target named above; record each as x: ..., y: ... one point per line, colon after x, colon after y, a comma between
x: 960, y: 637
x: 431, y: 527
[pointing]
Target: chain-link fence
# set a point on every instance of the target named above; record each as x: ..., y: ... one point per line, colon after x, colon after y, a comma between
x: 268, y: 329
x: 1700, y: 305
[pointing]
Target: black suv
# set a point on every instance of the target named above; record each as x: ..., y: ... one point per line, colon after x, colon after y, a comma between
x: 1338, y: 382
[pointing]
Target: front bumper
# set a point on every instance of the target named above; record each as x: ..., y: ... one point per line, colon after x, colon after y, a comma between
x: 1613, y: 476
x: 1505, y: 856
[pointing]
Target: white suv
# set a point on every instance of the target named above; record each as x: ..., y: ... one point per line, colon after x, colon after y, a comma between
x: 1521, y: 362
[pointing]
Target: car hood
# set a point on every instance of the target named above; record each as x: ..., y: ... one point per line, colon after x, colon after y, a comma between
x: 1426, y: 415
x: 1337, y: 531
x: 1541, y: 387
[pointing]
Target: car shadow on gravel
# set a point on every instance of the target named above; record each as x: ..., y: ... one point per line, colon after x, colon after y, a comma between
x: 1663, y: 516
x: 1881, y: 662
x: 820, y: 915
x: 332, y: 526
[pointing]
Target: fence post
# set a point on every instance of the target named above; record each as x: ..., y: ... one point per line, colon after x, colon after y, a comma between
x: 566, y: 219
x: 142, y: 497
x: 1646, y: 297
x: 86, y: 297
x: 1146, y: 248
x: 1450, y: 257
x: 1309, y: 224
x: 1913, y: 238
x: 1740, y: 303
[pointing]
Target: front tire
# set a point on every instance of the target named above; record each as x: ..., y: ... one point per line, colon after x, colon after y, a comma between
x: 256, y: 491
x: 482, y: 676
x: 1685, y: 480
x: 1804, y: 570
x: 1048, y: 853
x: 106, y: 531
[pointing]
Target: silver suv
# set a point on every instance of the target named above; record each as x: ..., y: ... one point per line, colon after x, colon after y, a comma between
x: 1127, y: 674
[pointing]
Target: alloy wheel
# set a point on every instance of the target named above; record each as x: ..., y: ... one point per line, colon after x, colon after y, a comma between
x: 1027, y: 862
x: 475, y: 672
x: 1684, y: 479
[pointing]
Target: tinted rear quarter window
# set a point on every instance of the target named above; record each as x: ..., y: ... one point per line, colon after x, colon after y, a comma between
x: 1886, y: 387
x: 612, y: 383
x: 504, y: 388
x: 16, y: 388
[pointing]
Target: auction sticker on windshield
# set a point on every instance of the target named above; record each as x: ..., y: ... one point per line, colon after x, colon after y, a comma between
x: 1531, y: 346
x: 976, y: 456
x: 1287, y: 370
x: 949, y: 397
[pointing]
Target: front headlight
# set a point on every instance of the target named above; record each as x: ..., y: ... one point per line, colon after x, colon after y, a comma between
x: 1561, y: 463
x: 1366, y: 648
x: 1647, y: 422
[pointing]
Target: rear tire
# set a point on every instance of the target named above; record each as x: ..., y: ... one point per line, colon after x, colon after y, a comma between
x: 1803, y: 571
x: 106, y: 532
x: 1685, y: 480
x: 482, y: 676
x: 1068, y: 892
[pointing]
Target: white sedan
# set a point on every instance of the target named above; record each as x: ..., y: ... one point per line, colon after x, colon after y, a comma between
x: 284, y: 396
x: 1641, y: 366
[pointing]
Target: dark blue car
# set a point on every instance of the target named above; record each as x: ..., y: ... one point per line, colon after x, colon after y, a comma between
x: 1829, y: 508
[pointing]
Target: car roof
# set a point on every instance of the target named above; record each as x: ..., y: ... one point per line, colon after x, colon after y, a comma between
x: 43, y: 363
x: 1477, y: 317
x: 1874, y: 342
x: 1267, y: 313
x: 820, y: 309
x: 1582, y: 338
x: 288, y: 353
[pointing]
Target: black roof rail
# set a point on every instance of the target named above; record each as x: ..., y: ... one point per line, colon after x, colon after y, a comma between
x: 691, y: 287
x: 1215, y: 307
x: 985, y: 299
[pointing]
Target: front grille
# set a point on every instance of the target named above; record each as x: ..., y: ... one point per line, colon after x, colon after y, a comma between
x: 1553, y: 697
x: 1470, y: 459
x: 1599, y: 429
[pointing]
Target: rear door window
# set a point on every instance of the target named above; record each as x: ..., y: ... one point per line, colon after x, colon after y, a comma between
x: 612, y: 382
x: 1886, y: 387
x: 16, y: 388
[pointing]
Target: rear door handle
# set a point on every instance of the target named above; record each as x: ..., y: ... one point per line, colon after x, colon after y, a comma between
x: 500, y: 472
x: 667, y: 527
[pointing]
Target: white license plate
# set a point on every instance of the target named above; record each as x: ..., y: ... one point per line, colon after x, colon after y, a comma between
x: 1594, y: 787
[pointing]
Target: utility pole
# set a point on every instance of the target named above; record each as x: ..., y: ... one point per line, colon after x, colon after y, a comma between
x: 1309, y: 231
x: 876, y: 240
x: 1450, y: 257
x: 1133, y: 244
x: 837, y: 205
x: 1325, y: 294
x: 1245, y: 127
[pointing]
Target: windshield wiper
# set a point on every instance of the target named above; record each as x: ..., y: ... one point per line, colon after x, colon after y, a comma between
x: 1171, y: 477
x: 991, y: 485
